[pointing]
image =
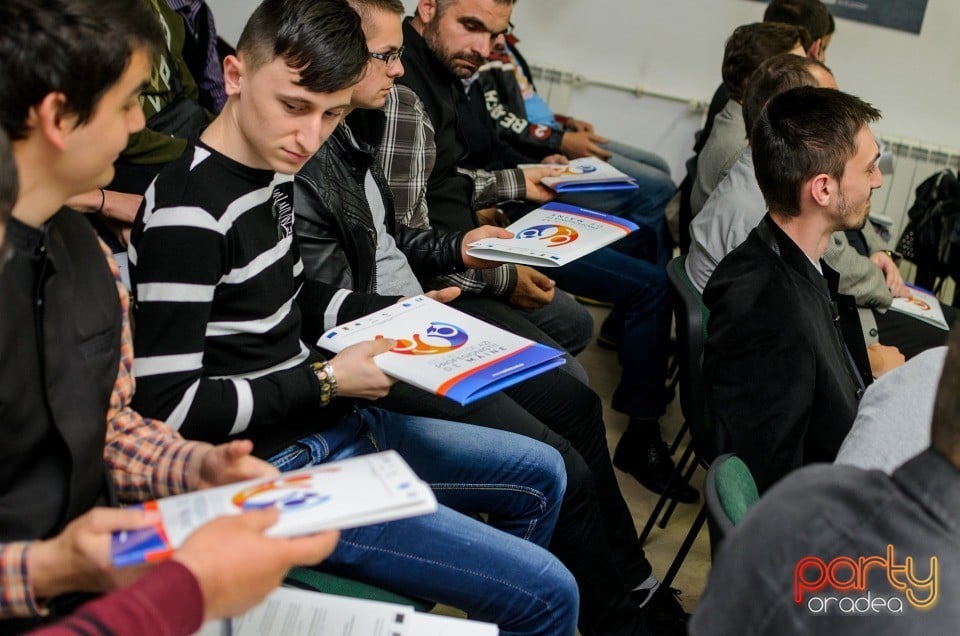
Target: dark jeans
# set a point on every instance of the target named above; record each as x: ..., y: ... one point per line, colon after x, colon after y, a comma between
x: 639, y: 292
x: 595, y: 536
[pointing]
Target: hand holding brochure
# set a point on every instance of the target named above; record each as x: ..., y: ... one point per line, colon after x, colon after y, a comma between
x: 445, y: 351
x: 586, y: 175
x: 553, y: 235
x: 922, y: 305
x: 344, y: 494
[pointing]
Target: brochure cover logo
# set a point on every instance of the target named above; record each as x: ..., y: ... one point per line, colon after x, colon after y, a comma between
x: 555, y: 235
x: 284, y: 493
x: 440, y: 337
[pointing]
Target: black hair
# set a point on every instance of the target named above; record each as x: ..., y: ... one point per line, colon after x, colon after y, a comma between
x: 76, y: 47
x: 801, y: 133
x: 812, y: 15
x: 750, y: 45
x: 322, y: 39
x: 778, y: 74
x: 945, y: 429
x: 365, y: 7
x: 8, y: 179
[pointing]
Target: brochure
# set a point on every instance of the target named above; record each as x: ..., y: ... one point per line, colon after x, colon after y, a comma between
x: 344, y: 494
x: 554, y: 235
x: 292, y: 612
x: 922, y: 305
x: 585, y: 175
x: 445, y: 351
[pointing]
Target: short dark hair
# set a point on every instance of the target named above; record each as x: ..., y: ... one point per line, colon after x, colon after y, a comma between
x: 322, y: 39
x: 76, y: 47
x: 750, y: 45
x: 778, y: 74
x: 9, y: 187
x: 812, y: 15
x: 945, y: 429
x: 366, y: 7
x: 801, y: 133
x: 443, y: 5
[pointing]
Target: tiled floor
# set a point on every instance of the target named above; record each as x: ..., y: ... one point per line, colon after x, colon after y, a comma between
x: 662, y: 545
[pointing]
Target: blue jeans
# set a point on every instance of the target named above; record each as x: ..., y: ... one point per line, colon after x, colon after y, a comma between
x: 498, y: 571
x: 639, y: 292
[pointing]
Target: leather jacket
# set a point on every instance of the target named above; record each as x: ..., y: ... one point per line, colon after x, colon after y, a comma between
x: 338, y: 240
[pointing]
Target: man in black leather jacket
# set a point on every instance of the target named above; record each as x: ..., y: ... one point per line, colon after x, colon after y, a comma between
x: 349, y: 239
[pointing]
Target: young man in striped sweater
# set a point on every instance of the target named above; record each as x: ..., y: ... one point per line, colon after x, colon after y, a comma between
x: 216, y: 272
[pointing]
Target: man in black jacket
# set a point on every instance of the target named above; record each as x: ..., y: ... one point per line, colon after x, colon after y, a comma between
x: 348, y: 238
x: 785, y: 362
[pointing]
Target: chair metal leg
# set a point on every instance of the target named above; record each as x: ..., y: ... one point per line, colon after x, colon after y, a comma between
x: 685, y: 547
x: 675, y: 444
x: 661, y: 502
x: 691, y: 466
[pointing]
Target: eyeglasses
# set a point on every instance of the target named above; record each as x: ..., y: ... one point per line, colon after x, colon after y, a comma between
x: 388, y: 58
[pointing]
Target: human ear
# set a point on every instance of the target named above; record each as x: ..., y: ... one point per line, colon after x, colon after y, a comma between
x: 233, y: 70
x: 52, y: 119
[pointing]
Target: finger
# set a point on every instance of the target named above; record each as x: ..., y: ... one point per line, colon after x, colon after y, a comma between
x: 381, y: 345
x: 258, y: 520
x: 445, y: 295
x: 236, y: 449
x: 113, y: 519
x: 311, y: 549
x: 598, y: 139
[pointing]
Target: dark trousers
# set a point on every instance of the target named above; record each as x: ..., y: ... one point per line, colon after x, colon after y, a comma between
x: 595, y: 537
x: 912, y: 336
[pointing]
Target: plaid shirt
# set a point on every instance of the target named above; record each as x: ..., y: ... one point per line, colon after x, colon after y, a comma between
x: 407, y: 155
x: 210, y: 82
x: 146, y: 460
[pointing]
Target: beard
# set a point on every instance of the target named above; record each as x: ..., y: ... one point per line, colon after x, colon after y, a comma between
x: 449, y: 58
x: 850, y: 218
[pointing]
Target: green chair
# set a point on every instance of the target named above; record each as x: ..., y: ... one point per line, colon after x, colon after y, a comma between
x: 309, y: 579
x: 729, y: 491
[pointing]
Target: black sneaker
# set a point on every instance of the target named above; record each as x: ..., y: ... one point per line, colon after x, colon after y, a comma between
x: 665, y: 615
x: 652, y: 466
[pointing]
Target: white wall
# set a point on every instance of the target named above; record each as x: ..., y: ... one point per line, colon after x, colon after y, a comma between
x: 675, y: 47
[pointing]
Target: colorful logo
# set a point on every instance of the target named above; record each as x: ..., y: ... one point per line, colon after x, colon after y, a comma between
x: 874, y: 584
x: 573, y: 169
x: 555, y: 235
x: 440, y: 337
x: 284, y: 493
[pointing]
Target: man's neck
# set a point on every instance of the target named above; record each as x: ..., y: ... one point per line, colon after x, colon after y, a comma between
x: 810, y: 233
x: 39, y: 198
x: 417, y: 24
x: 224, y: 135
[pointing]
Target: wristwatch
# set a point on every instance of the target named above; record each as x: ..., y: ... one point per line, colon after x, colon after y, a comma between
x: 327, y: 380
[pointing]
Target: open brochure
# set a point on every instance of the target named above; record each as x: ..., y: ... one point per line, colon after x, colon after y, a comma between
x: 291, y: 612
x: 586, y: 175
x: 344, y: 494
x: 553, y: 235
x: 922, y: 305
x: 445, y: 351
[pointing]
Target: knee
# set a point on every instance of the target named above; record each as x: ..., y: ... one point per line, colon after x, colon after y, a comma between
x: 563, y: 599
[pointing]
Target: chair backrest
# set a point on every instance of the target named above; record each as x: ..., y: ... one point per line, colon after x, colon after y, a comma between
x: 730, y: 491
x: 691, y: 317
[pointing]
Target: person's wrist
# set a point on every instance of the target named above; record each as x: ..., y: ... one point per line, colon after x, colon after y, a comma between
x: 46, y: 569
x: 327, y: 380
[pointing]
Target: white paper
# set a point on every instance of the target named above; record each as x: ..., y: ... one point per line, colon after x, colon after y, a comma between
x: 922, y: 305
x: 581, y: 172
x: 345, y: 494
x: 554, y: 235
x: 445, y: 351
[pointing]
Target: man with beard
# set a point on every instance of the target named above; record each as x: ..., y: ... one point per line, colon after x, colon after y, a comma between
x: 784, y: 362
